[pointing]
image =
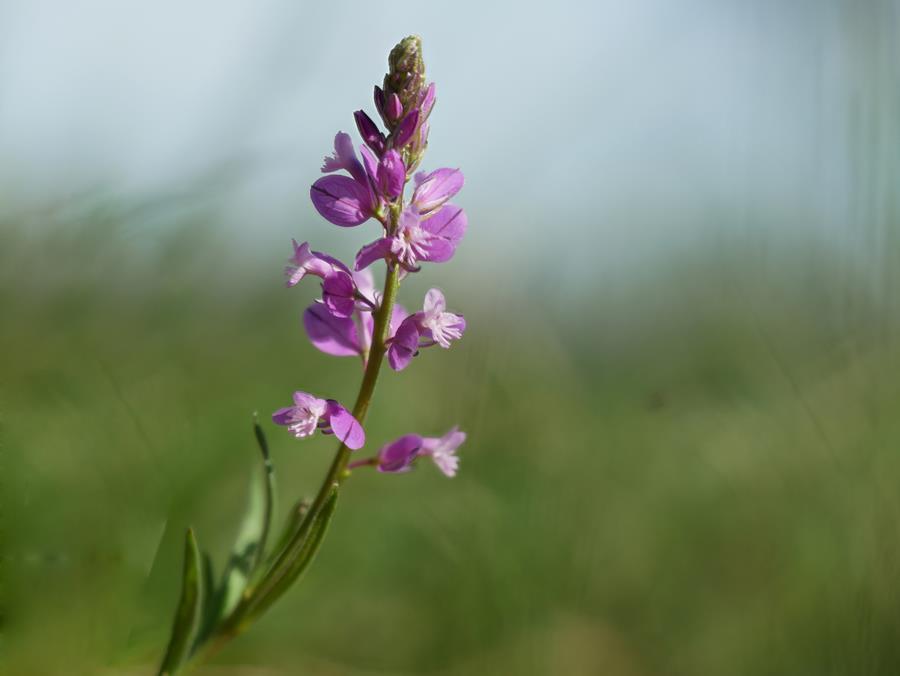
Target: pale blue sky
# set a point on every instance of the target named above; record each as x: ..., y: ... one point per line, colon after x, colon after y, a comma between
x: 599, y: 120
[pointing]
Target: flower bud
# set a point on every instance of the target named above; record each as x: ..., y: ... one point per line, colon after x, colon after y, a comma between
x: 406, y: 74
x: 393, y: 109
x: 405, y: 130
x: 369, y: 132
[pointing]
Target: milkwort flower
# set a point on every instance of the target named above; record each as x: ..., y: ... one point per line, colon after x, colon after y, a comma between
x: 309, y: 413
x: 433, y: 325
x: 349, y: 319
x: 425, y: 228
x: 401, y: 454
x: 418, y: 239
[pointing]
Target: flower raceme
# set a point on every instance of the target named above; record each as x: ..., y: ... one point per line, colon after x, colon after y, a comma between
x: 349, y: 318
x: 341, y: 322
x: 424, y: 228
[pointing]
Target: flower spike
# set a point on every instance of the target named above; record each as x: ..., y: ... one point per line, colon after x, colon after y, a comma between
x: 416, y: 224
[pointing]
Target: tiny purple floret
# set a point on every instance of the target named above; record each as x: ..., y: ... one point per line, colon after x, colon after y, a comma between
x: 310, y: 413
x: 401, y: 454
x: 433, y: 325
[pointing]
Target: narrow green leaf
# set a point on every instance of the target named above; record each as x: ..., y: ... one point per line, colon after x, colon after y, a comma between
x: 212, y: 602
x: 242, y: 559
x: 292, y: 524
x: 314, y: 539
x: 269, y: 505
x: 187, y: 615
x: 249, y: 546
x: 294, y: 566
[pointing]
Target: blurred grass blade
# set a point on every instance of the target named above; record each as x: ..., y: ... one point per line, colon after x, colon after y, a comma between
x: 187, y: 615
x: 249, y: 546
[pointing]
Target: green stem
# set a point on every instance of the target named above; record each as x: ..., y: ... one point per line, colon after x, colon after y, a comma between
x: 255, y: 600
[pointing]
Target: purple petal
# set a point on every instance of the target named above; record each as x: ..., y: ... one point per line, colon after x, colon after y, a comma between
x: 365, y: 284
x: 449, y: 222
x: 404, y: 344
x: 368, y: 330
x: 434, y: 302
x: 439, y: 251
x: 371, y: 252
x: 405, y: 129
x: 436, y: 188
x: 369, y: 131
x: 460, y: 324
x: 338, y: 292
x: 304, y: 262
x: 398, y: 455
x: 332, y: 261
x: 393, y: 108
x: 427, y: 101
x: 332, y: 335
x: 391, y: 175
x: 344, y: 158
x: 341, y: 200
x: 423, y: 134
x: 345, y: 426
x: 371, y: 164
x: 379, y: 100
x: 283, y: 416
x: 398, y: 314
x: 306, y: 400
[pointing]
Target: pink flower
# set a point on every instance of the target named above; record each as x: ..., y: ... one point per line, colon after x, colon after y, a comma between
x: 418, y: 239
x: 433, y: 325
x: 309, y: 413
x: 440, y: 325
x: 433, y: 189
x: 400, y: 455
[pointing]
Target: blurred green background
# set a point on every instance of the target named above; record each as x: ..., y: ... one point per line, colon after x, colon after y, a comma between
x: 680, y: 381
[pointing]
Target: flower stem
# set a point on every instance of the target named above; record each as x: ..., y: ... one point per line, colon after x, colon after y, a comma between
x: 258, y: 597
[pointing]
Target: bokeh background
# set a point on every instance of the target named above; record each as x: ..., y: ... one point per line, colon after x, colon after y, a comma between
x: 681, y: 378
